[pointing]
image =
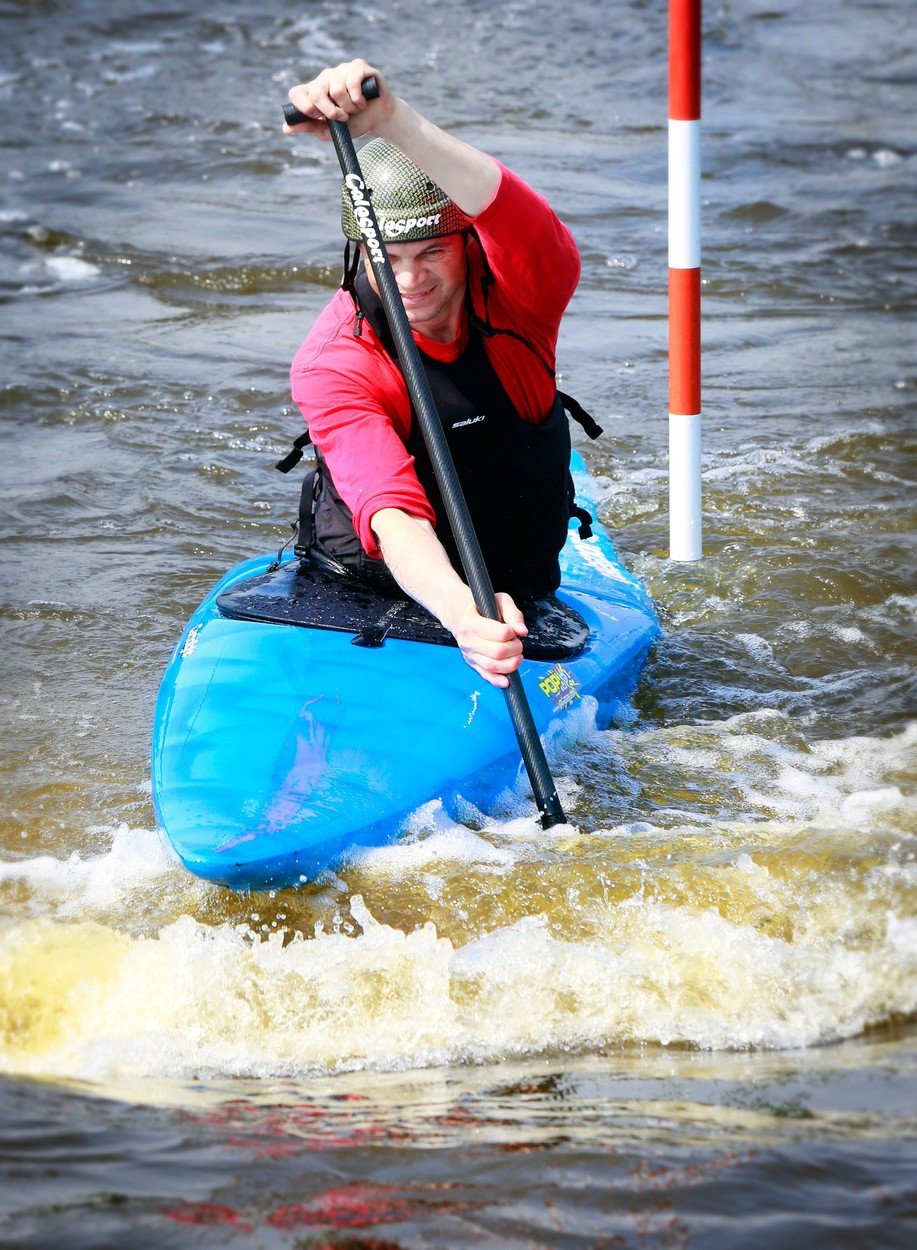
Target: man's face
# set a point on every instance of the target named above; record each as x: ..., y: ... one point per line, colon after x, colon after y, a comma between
x: 431, y: 276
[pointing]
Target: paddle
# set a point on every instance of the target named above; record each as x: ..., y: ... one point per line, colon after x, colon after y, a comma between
x: 431, y: 428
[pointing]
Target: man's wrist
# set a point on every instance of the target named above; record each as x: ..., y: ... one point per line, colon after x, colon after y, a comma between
x: 457, y: 603
x: 399, y: 125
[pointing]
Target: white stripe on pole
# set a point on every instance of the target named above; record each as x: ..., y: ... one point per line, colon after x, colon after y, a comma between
x: 684, y: 195
x: 685, y: 538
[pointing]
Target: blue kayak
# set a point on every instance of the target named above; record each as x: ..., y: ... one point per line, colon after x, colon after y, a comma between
x: 279, y: 746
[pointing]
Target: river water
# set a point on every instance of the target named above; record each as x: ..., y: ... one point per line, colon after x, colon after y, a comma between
x: 687, y: 1019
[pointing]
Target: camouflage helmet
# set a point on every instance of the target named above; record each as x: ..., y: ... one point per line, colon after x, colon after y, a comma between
x: 408, y: 205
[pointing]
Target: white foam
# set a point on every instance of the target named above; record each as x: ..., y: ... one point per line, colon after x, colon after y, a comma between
x: 744, y: 469
x: 448, y: 843
x: 759, y: 649
x: 885, y: 158
x: 732, y: 949
x: 788, y: 924
x: 82, y: 883
x: 863, y: 807
x: 71, y: 268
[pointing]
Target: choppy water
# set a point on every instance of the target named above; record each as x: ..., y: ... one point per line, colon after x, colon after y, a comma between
x: 686, y: 1020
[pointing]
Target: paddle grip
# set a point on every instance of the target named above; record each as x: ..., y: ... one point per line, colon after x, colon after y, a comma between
x: 292, y: 115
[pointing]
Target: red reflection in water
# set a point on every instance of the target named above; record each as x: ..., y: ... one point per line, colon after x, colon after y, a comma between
x: 365, y: 1243
x: 271, y: 1131
x: 351, y: 1206
x: 347, y: 1206
x: 208, y: 1213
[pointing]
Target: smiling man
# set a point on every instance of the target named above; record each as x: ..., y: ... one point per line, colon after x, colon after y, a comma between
x: 485, y: 270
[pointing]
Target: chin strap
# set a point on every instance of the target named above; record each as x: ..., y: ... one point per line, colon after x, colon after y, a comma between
x: 349, y: 284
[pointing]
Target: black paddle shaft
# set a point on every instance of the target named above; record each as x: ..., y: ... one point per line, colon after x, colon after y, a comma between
x: 431, y: 428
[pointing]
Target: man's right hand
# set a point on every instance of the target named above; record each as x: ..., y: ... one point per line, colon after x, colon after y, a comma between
x: 492, y: 648
x: 419, y: 564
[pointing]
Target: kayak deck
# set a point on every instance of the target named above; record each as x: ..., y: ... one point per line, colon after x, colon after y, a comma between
x: 297, y: 592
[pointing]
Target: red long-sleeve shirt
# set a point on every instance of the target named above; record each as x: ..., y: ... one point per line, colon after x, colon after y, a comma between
x: 354, y: 398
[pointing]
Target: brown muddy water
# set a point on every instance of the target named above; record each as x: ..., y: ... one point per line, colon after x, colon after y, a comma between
x: 687, y: 1019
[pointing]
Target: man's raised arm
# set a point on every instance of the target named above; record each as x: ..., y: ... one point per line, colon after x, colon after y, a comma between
x: 469, y: 177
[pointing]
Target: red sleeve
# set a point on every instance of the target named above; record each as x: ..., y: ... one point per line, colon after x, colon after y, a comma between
x: 358, y: 413
x: 535, y: 266
x: 531, y: 252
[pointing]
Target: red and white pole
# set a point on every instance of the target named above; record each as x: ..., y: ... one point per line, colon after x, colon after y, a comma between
x: 684, y: 280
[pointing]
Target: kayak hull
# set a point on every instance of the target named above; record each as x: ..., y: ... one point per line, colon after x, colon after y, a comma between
x: 278, y: 748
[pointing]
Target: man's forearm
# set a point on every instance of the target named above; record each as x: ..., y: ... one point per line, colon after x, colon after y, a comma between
x: 418, y: 562
x: 468, y: 176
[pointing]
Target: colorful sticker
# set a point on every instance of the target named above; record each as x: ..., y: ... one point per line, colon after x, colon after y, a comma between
x: 560, y: 686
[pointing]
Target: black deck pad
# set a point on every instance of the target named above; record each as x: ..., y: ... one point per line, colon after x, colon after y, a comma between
x: 298, y: 593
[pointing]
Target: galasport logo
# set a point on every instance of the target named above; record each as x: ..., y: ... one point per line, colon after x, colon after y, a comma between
x: 401, y: 225
x: 356, y: 186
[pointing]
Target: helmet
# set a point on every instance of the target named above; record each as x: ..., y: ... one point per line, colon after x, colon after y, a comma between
x: 408, y: 204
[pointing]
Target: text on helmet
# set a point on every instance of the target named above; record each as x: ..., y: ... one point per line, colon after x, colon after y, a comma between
x: 363, y: 213
x: 402, y: 225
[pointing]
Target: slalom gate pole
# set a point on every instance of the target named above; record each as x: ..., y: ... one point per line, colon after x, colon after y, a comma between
x: 530, y: 747
x: 685, y: 539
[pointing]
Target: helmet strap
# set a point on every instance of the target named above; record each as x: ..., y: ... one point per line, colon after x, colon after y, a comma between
x: 351, y: 265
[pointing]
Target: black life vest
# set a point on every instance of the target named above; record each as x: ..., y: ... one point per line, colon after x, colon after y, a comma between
x: 514, y: 474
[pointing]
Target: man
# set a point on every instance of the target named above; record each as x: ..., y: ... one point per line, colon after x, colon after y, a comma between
x: 485, y: 270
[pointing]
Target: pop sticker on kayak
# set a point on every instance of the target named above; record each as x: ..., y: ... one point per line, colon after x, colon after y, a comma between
x: 560, y: 686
